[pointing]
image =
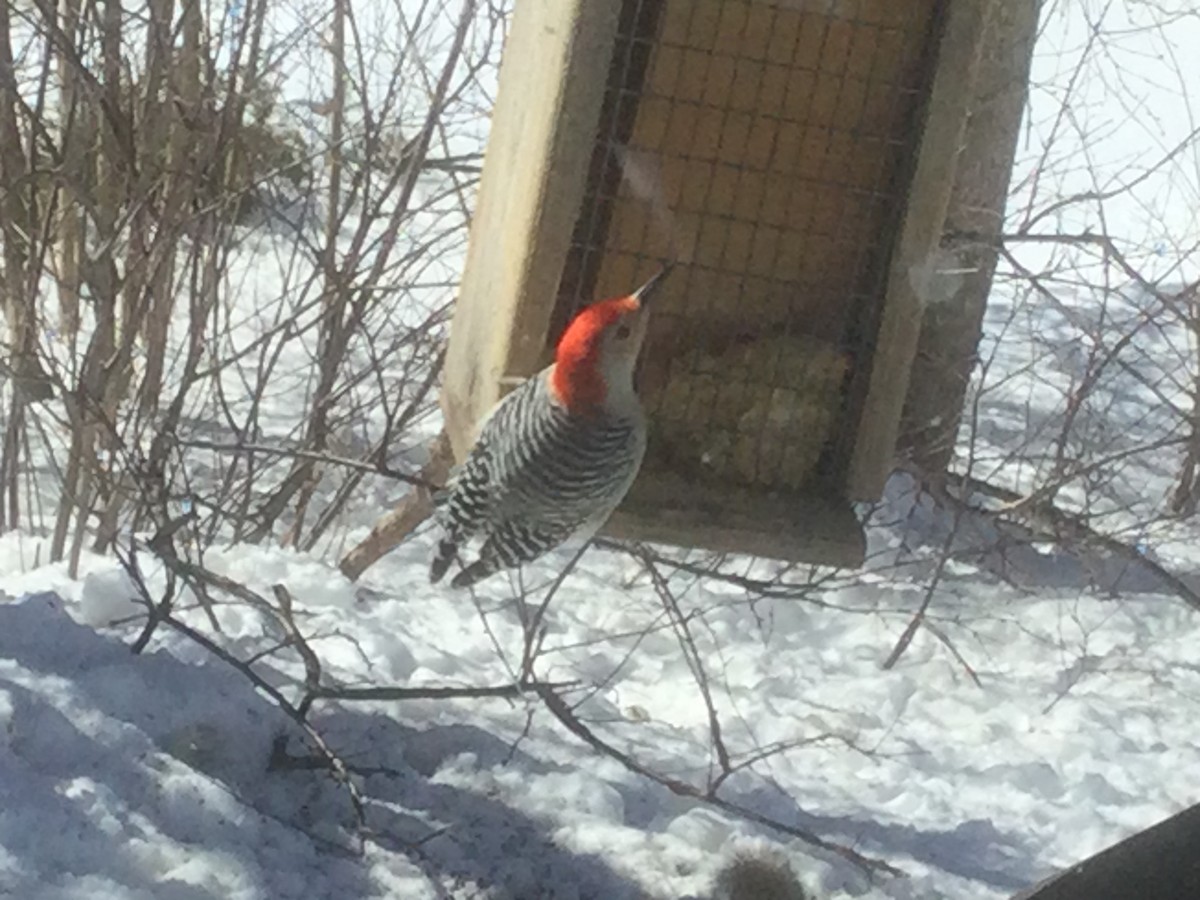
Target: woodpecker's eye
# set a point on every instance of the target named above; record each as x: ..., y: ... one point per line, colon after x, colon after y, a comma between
x: 623, y: 332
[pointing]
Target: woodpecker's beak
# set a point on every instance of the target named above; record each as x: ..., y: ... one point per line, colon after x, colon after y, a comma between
x: 647, y: 290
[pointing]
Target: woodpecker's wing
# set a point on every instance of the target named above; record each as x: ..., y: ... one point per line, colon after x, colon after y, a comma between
x: 512, y: 543
x: 465, y: 504
x: 474, y: 470
x: 461, y: 507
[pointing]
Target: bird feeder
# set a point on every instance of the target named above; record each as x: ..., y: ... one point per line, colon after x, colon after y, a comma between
x: 795, y: 160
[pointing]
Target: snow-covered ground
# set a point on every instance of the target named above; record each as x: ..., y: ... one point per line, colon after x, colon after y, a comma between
x: 148, y: 776
x: 1048, y: 711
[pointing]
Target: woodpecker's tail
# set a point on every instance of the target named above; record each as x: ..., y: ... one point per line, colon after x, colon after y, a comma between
x: 476, y: 571
x: 460, y: 507
x: 508, y: 546
x: 446, y: 553
x: 487, y: 565
x: 492, y: 559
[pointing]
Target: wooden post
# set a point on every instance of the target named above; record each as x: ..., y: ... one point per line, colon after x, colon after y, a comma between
x: 952, y: 328
x: 913, y: 272
x: 552, y: 83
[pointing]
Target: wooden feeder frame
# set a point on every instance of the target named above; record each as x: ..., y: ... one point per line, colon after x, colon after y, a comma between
x: 524, y: 276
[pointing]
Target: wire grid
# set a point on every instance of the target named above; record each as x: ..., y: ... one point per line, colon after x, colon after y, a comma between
x: 765, y: 146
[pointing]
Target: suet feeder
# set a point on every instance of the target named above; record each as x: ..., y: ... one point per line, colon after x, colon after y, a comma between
x: 795, y: 160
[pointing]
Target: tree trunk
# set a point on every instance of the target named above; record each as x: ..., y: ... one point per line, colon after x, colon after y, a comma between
x: 951, y: 330
x: 74, y: 136
x: 172, y: 82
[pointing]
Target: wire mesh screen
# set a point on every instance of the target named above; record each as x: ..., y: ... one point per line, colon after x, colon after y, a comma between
x: 765, y: 146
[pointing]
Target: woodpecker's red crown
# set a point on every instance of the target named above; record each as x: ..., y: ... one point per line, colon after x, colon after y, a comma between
x: 614, y: 327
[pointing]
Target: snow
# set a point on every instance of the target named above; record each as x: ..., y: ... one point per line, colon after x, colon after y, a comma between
x: 150, y: 773
x: 169, y: 775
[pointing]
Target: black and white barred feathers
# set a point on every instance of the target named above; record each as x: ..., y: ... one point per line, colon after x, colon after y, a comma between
x: 538, y: 475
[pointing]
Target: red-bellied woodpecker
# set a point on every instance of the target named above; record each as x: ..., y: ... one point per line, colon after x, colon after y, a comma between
x: 557, y: 454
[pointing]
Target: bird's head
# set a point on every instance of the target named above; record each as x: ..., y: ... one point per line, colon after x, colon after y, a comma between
x: 597, y: 354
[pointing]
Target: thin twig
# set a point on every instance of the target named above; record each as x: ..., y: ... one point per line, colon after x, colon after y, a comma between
x: 691, y: 654
x: 507, y: 691
x: 532, y: 625
x: 563, y: 712
x: 374, y: 468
